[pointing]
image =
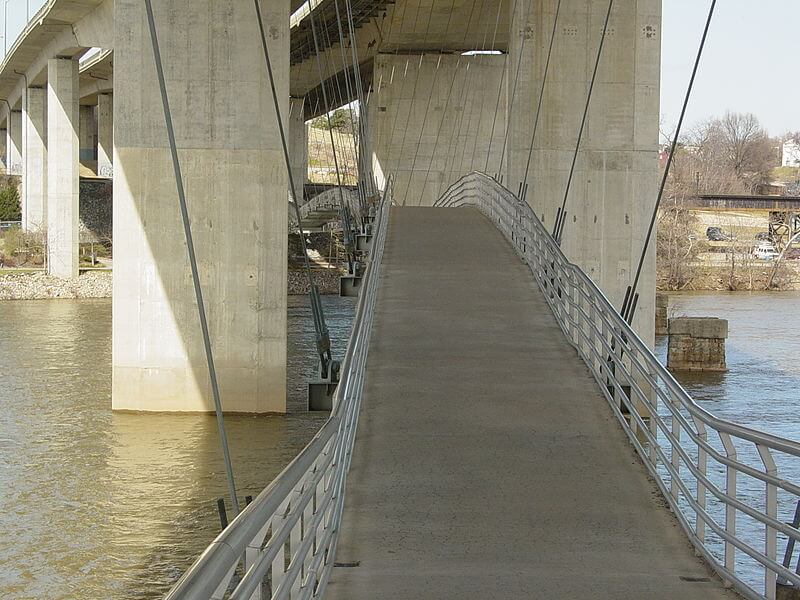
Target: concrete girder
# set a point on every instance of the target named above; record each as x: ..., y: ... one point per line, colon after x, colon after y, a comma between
x: 63, y: 28
x: 406, y: 27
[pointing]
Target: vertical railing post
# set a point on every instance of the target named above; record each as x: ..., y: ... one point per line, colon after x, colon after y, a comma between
x: 278, y: 570
x: 730, y: 510
x: 770, y: 534
x: 700, y: 492
x: 675, y: 458
x: 654, y: 416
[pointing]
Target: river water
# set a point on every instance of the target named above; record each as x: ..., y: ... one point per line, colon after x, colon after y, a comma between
x: 759, y: 390
x: 95, y: 504
x: 115, y: 506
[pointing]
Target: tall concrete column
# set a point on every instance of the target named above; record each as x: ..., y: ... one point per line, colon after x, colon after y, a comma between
x: 615, y: 183
x: 298, y: 142
x: 235, y: 179
x: 365, y: 151
x: 88, y: 134
x: 14, y: 133
x: 62, y: 167
x: 4, y: 147
x: 34, y: 188
x: 426, y: 128
x: 105, y: 135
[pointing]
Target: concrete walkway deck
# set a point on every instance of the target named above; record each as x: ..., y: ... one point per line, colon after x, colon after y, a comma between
x: 487, y: 464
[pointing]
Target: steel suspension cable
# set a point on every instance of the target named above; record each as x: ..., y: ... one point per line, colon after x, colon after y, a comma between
x: 471, y: 90
x: 187, y: 231
x: 629, y: 304
x: 318, y: 315
x: 391, y: 130
x: 348, y: 89
x: 428, y: 106
x: 413, y: 97
x: 336, y: 91
x: 483, y: 95
x: 408, y: 116
x: 327, y: 105
x: 511, y: 102
x: 497, y: 106
x: 439, y: 130
x: 421, y: 130
x: 523, y: 186
x: 558, y: 229
x: 444, y: 109
x: 362, y: 113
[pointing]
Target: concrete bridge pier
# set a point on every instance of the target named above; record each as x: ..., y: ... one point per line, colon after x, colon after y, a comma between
x: 235, y: 180
x: 34, y: 196
x: 88, y: 134
x: 298, y: 143
x: 615, y: 182
x: 425, y: 109
x: 14, y: 134
x: 105, y: 135
x: 62, y: 167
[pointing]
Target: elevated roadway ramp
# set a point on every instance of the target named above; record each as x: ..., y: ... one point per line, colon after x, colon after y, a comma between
x: 487, y: 464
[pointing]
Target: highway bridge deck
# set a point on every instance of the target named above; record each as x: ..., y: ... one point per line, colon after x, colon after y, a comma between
x: 487, y: 464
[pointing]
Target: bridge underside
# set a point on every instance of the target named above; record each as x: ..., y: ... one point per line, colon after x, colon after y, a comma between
x: 487, y: 464
x: 432, y: 114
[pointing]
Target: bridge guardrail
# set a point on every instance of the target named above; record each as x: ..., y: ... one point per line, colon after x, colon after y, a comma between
x: 715, y: 475
x: 329, y: 199
x: 6, y: 225
x: 288, y: 534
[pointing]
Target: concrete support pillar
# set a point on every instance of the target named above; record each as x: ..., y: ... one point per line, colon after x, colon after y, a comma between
x: 235, y: 179
x: 430, y: 134
x: 34, y: 187
x: 88, y: 135
x: 62, y: 167
x: 697, y: 344
x: 105, y: 135
x: 365, y: 173
x: 616, y: 178
x: 4, y: 147
x: 14, y: 134
x: 662, y: 314
x: 298, y: 143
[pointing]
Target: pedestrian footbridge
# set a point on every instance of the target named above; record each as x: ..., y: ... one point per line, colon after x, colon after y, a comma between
x: 499, y: 431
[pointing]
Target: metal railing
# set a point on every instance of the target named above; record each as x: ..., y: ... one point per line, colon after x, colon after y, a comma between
x: 288, y: 534
x: 329, y: 200
x: 6, y: 225
x: 726, y: 484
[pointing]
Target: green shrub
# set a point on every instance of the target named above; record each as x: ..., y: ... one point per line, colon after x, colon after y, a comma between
x: 10, y: 209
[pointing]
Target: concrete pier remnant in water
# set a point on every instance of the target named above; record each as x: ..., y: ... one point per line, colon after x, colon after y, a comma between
x: 697, y: 344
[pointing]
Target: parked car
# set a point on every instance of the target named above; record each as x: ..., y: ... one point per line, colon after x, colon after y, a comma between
x: 765, y: 251
x: 715, y: 234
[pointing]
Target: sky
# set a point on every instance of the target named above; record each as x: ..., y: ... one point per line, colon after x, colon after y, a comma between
x: 749, y: 63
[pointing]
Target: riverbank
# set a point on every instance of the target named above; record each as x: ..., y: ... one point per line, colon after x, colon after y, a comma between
x: 40, y: 286
x: 752, y: 276
x: 37, y: 285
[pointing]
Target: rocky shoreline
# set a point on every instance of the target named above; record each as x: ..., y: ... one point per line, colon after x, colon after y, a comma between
x: 40, y: 286
x: 327, y: 281
x: 97, y: 284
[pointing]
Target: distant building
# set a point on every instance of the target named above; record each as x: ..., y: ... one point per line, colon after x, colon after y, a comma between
x: 663, y: 157
x: 791, y: 154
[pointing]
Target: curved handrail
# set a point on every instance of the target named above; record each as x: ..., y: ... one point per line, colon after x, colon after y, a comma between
x: 301, y: 508
x: 328, y: 200
x: 662, y: 421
